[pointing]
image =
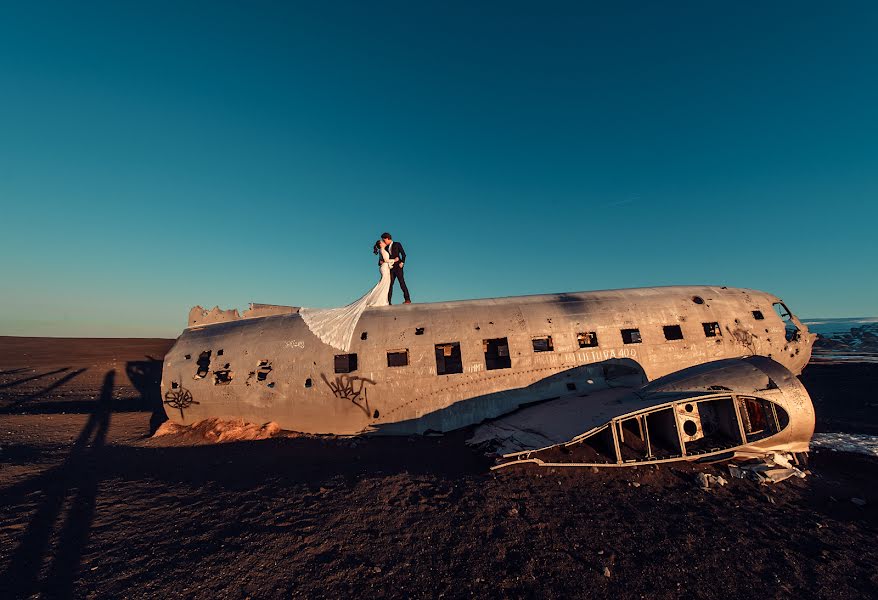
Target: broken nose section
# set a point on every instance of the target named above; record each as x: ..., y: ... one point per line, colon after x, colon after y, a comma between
x: 746, y: 407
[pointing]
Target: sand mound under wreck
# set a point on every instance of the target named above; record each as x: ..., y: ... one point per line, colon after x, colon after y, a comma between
x: 217, y: 430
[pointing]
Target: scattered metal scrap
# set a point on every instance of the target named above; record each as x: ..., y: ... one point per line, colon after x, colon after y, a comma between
x: 706, y: 480
x: 773, y: 468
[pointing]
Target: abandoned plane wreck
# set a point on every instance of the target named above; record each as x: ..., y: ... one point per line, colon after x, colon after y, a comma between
x: 602, y: 378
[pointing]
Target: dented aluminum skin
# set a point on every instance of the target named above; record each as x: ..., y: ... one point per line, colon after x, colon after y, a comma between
x: 266, y: 365
x: 733, y: 408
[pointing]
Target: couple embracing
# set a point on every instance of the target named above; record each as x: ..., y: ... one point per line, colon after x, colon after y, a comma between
x: 335, y: 326
x: 390, y: 264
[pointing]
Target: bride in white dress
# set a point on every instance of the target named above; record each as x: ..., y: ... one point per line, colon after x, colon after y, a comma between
x: 335, y: 326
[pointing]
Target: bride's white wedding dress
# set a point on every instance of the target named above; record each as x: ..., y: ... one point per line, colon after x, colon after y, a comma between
x: 335, y: 326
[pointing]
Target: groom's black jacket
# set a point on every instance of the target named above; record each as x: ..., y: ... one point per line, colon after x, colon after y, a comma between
x: 396, y: 251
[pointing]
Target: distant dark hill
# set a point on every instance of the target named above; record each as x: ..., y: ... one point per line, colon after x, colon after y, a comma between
x: 845, y: 338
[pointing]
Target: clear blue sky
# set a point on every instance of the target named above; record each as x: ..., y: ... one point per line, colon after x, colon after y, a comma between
x: 158, y: 155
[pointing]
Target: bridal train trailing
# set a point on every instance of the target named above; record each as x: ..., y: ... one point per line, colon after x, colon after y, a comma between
x: 335, y: 326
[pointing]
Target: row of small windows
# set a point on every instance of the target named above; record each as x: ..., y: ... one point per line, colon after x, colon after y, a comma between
x: 497, y: 355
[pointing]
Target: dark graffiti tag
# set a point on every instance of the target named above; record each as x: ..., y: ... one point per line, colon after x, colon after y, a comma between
x: 353, y: 388
x: 179, y: 399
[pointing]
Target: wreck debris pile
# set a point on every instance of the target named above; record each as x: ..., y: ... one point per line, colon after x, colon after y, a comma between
x: 706, y: 480
x: 771, y: 469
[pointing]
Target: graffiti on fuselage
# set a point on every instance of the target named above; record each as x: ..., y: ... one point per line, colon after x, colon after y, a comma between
x: 352, y: 388
x: 598, y: 355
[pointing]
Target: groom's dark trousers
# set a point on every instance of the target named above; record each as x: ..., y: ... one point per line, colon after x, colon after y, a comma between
x: 397, y: 274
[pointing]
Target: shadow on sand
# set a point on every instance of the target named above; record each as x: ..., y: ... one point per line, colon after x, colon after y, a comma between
x: 22, y: 403
x: 32, y: 377
x: 146, y: 377
x: 47, y: 559
x: 75, y: 481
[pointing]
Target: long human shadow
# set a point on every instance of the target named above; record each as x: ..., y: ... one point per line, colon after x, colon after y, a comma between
x: 32, y: 378
x: 54, y: 385
x: 79, y: 471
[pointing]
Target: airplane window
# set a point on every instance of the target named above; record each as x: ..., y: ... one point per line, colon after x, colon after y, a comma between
x: 497, y: 354
x: 588, y: 339
x: 543, y: 344
x: 673, y: 332
x: 760, y: 418
x: 631, y: 336
x: 345, y: 363
x: 757, y: 314
x: 398, y: 358
x: 791, y: 331
x: 448, y: 359
x: 712, y: 329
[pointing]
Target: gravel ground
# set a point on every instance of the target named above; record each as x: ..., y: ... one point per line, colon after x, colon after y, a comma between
x: 92, y: 506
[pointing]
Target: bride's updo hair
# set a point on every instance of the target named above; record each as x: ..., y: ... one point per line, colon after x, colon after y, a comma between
x: 377, y: 247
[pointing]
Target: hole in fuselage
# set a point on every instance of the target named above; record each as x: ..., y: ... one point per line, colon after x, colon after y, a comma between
x: 203, y: 365
x: 223, y: 377
x: 263, y: 369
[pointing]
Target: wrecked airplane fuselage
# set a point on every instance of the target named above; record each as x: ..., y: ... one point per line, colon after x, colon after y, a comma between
x: 441, y: 366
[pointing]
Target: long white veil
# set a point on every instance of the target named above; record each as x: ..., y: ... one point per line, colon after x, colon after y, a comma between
x: 335, y: 326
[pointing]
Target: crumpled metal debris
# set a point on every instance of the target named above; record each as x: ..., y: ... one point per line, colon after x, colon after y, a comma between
x: 706, y: 480
x: 772, y: 469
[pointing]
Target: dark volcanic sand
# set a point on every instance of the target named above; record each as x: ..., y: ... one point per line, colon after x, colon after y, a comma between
x: 91, y: 506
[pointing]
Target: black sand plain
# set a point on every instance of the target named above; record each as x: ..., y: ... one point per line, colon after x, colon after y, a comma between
x: 92, y: 506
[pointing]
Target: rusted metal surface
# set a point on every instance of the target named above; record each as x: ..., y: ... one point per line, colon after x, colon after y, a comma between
x: 465, y: 361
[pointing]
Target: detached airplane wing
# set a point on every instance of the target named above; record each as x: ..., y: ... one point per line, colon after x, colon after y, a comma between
x: 746, y: 407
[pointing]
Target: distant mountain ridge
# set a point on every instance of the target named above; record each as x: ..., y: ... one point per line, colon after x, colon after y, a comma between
x: 845, y: 338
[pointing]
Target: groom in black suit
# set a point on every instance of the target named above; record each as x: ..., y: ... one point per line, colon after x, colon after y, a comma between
x: 396, y: 251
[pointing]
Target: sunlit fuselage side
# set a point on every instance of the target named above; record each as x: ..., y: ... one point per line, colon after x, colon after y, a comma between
x: 272, y: 368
